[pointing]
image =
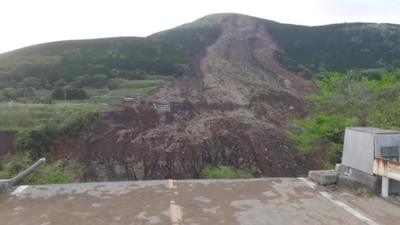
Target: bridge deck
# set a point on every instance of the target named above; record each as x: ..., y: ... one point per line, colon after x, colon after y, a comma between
x: 193, y: 202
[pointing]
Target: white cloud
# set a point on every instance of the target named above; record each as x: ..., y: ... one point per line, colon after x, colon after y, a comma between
x: 27, y: 22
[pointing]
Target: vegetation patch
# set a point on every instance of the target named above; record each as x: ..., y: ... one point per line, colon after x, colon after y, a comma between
x: 35, y: 142
x: 39, y: 140
x: 224, y: 172
x: 19, y: 117
x: 364, y: 98
x: 49, y: 173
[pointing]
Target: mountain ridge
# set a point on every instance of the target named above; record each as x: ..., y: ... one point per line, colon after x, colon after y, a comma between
x: 305, y: 49
x: 195, y: 22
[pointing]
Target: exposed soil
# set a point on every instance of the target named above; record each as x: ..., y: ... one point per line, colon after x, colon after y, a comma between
x: 6, y: 142
x: 231, y: 109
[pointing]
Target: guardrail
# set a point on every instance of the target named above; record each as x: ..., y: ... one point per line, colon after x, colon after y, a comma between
x: 5, y: 184
x: 387, y: 169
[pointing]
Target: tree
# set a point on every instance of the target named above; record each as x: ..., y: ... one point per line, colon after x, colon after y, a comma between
x: 31, y: 82
x: 11, y: 93
x: 59, y: 94
x: 323, y: 133
x: 69, y: 94
x: 98, y: 81
x: 76, y: 94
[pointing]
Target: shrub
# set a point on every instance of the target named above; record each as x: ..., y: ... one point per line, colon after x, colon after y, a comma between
x: 49, y: 173
x: 59, y: 94
x: 96, y: 81
x: 40, y: 140
x: 356, y: 98
x: 11, y: 93
x: 323, y: 133
x: 13, y: 164
x: 53, y: 173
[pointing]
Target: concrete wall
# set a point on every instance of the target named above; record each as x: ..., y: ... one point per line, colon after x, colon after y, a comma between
x: 358, y: 150
x: 162, y: 108
x: 353, y: 178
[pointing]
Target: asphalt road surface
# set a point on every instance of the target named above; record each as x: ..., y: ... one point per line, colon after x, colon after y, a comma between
x: 280, y: 201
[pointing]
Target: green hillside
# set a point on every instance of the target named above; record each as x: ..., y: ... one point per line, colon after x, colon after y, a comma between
x: 337, y: 47
x: 129, y: 58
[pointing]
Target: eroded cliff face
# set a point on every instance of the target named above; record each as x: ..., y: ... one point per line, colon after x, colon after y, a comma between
x: 232, y: 109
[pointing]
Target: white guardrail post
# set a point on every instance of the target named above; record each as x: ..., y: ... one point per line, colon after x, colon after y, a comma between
x: 385, y: 187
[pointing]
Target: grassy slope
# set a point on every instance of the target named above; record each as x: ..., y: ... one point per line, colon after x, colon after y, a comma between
x: 25, y: 116
x: 67, y: 59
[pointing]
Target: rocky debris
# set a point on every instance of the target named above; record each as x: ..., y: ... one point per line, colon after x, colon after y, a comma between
x: 232, y: 109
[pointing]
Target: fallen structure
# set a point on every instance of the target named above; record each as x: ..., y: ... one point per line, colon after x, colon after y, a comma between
x: 371, y: 158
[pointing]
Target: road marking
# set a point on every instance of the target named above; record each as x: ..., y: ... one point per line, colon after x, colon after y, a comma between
x: 175, y: 209
x: 19, y: 190
x: 176, y: 213
x: 349, y: 209
x: 352, y: 211
x: 171, y: 184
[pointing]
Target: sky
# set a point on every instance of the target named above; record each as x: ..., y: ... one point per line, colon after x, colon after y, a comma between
x: 28, y: 22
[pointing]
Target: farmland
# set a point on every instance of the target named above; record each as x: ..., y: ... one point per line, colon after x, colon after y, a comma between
x: 26, y: 113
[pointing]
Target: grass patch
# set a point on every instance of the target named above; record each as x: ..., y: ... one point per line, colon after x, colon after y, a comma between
x: 24, y: 116
x: 224, y: 172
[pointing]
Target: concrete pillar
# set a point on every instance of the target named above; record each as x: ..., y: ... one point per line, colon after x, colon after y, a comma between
x: 385, y: 187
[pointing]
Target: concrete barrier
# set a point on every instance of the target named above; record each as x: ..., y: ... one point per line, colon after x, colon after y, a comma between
x: 5, y: 184
x: 323, y: 177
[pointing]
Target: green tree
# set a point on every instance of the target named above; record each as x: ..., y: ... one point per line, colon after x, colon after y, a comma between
x: 69, y: 94
x: 11, y: 93
x: 323, y: 133
x: 59, y: 94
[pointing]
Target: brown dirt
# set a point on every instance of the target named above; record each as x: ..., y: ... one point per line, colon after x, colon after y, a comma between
x: 232, y: 109
x: 6, y: 142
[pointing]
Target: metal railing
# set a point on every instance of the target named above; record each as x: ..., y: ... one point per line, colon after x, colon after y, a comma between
x: 387, y: 169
